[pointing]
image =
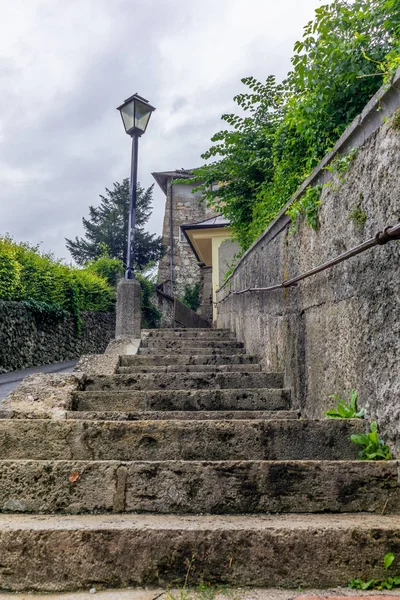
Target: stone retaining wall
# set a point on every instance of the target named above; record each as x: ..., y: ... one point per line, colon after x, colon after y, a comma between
x: 27, y: 340
x: 176, y: 314
x: 339, y: 329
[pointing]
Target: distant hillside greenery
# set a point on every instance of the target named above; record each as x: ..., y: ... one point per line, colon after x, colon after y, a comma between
x: 49, y: 287
x: 347, y: 52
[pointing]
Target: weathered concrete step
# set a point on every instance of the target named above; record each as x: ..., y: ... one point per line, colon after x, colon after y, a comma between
x: 193, y: 400
x: 195, y: 487
x: 182, y: 381
x: 178, y: 440
x: 70, y: 552
x: 212, y: 334
x: 187, y: 359
x: 193, y: 330
x: 191, y: 350
x: 140, y: 593
x: 249, y: 368
x: 182, y: 415
x: 190, y: 343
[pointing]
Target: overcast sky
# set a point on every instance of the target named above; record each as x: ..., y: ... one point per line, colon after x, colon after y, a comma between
x: 66, y: 64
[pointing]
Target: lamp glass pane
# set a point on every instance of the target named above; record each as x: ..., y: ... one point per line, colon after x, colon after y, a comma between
x: 127, y: 115
x: 142, y: 116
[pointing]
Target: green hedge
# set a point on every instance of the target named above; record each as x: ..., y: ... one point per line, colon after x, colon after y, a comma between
x: 47, y: 285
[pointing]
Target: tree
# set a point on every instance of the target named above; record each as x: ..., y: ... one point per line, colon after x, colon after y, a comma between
x: 107, y: 229
x: 346, y: 53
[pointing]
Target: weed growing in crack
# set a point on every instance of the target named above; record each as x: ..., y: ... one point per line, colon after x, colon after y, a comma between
x: 203, y: 591
x: 378, y: 584
x: 358, y: 217
x: 372, y: 448
x: 345, y: 410
x: 396, y: 120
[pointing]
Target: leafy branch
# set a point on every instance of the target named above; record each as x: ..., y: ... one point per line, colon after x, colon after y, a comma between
x: 282, y: 130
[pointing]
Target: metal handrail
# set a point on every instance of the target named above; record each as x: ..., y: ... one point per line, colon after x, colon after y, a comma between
x: 389, y: 234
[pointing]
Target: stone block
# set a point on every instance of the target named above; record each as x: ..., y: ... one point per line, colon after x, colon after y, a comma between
x: 129, y: 315
x: 182, y: 381
x: 179, y: 440
x: 46, y: 553
x: 193, y: 400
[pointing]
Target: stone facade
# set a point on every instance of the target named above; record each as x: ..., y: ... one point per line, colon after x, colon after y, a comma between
x: 338, y: 329
x: 27, y: 340
x: 187, y: 207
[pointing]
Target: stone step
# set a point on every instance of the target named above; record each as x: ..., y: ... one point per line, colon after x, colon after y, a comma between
x: 74, y: 552
x: 190, y: 343
x: 193, y: 330
x: 182, y: 381
x: 249, y: 368
x: 209, y: 334
x: 142, y: 593
x: 183, y: 400
x: 179, y: 440
x: 196, y: 487
x: 187, y: 359
x: 191, y: 350
x: 182, y: 415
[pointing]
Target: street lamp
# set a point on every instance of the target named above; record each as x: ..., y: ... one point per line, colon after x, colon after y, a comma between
x: 135, y: 114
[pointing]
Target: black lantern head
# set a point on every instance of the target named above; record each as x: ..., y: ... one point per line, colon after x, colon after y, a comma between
x: 135, y: 113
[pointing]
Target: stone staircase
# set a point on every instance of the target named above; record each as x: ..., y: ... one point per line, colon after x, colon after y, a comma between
x: 190, y: 454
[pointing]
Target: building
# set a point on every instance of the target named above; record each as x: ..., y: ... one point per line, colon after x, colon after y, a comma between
x: 192, y: 235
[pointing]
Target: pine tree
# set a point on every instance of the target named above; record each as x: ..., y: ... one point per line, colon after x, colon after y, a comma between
x: 107, y: 227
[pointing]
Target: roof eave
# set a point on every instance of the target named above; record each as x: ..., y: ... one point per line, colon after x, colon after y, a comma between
x: 162, y: 177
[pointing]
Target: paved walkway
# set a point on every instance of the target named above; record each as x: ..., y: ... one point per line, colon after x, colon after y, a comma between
x: 8, y: 381
x: 209, y: 594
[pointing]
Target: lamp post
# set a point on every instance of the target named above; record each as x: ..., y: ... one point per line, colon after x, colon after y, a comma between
x: 135, y: 113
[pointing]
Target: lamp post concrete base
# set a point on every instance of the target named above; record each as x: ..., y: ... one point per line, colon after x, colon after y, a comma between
x: 129, y: 316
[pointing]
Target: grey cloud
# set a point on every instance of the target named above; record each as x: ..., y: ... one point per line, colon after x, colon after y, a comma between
x: 58, y: 154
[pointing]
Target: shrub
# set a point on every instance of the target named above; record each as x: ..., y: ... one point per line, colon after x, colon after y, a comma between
x: 150, y: 314
x: 42, y: 279
x: 48, y: 287
x: 110, y: 269
x: 10, y: 270
x: 94, y: 292
x: 191, y: 296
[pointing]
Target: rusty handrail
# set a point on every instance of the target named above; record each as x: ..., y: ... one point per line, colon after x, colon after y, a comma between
x: 390, y: 233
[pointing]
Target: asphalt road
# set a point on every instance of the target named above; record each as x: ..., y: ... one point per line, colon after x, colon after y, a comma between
x: 8, y: 381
